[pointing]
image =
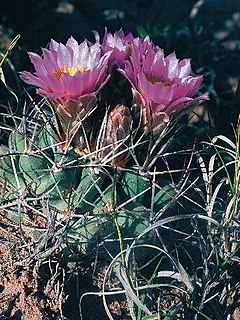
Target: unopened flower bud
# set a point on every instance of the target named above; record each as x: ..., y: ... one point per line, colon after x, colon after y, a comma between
x: 117, y: 132
x: 75, y: 118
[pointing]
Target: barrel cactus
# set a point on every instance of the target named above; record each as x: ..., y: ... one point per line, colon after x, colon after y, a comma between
x: 87, y: 158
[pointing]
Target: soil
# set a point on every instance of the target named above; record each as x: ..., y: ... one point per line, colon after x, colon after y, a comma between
x: 26, y: 292
x: 44, y: 289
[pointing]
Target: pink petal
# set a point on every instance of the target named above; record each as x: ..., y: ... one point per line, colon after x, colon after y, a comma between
x: 38, y: 63
x: 184, y: 68
x: 184, y: 102
x: 63, y: 56
x: 47, y: 94
x: 72, y: 43
x: 31, y: 79
x: 53, y: 45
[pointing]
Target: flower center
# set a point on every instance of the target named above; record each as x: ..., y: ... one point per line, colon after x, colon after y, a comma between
x: 154, y: 79
x: 69, y: 70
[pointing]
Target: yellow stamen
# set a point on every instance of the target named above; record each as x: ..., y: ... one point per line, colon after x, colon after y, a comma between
x: 154, y: 79
x: 70, y: 70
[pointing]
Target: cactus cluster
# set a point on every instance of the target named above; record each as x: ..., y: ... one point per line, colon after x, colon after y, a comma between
x: 95, y: 197
x: 91, y: 153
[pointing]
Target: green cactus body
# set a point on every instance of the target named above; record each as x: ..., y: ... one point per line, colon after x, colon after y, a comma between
x: 88, y: 189
x: 113, y: 212
x: 41, y: 167
x: 63, y: 172
x: 134, y: 190
x: 45, y: 139
x: 104, y: 204
x: 10, y: 174
x: 109, y: 211
x: 17, y: 142
x: 132, y: 224
x: 104, y: 223
x: 33, y: 167
x: 59, y: 181
x: 164, y: 195
x: 33, y: 163
x: 58, y: 186
x: 86, y: 232
x: 40, y: 140
x: 83, y: 238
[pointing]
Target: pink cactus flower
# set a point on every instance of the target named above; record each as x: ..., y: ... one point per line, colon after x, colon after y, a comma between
x: 68, y: 72
x: 159, y: 83
x: 118, y: 43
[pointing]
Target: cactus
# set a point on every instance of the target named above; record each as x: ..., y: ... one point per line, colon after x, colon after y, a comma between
x: 101, y: 193
x: 91, y: 163
x: 106, y: 197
